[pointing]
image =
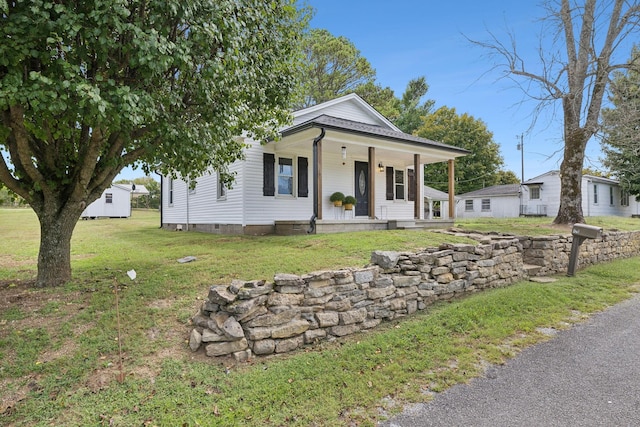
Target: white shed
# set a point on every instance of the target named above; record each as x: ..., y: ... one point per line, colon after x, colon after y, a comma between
x: 115, y: 202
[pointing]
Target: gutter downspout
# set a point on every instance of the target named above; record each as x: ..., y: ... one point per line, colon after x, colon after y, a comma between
x: 312, y: 221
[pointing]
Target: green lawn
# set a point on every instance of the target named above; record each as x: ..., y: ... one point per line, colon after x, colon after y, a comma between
x: 59, y: 359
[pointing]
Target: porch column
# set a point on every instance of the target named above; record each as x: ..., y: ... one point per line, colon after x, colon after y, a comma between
x: 430, y: 209
x: 452, y: 189
x: 417, y: 190
x: 372, y: 183
x: 319, y: 194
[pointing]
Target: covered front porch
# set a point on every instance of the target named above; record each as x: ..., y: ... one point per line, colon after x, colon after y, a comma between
x: 382, y: 168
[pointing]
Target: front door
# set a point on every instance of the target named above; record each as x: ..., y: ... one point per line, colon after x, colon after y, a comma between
x: 362, y: 188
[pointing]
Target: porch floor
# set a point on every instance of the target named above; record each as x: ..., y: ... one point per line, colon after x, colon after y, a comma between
x: 324, y: 226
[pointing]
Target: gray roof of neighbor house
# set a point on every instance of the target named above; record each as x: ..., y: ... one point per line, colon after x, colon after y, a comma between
x: 495, y: 190
x: 433, y: 194
x: 344, y: 125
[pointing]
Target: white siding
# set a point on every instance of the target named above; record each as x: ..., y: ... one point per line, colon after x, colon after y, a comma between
x: 549, y: 201
x: 120, y: 206
x: 349, y: 110
x: 501, y: 207
x: 260, y: 209
x: 550, y: 197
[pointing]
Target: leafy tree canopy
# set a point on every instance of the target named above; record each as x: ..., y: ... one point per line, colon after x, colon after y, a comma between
x: 478, y: 169
x: 333, y: 67
x: 621, y: 137
x: 506, y: 177
x: 87, y: 88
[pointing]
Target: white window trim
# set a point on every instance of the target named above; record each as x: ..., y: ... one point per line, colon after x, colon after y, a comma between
x: 221, y: 189
x: 170, y: 192
x: 531, y: 192
x: 468, y: 205
x: 405, y: 195
x: 294, y: 175
x: 482, y: 208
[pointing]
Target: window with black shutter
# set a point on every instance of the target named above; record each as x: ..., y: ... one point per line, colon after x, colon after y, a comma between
x: 303, y: 177
x: 389, y: 173
x: 268, y: 174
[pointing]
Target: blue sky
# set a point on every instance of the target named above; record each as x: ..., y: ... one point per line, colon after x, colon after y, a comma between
x: 404, y: 39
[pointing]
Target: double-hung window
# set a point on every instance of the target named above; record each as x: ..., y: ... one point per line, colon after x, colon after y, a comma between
x: 624, y: 198
x: 468, y: 205
x: 395, y: 184
x: 170, y: 186
x: 486, y: 205
x: 611, y: 196
x: 280, y: 173
x: 221, y: 189
x: 534, y: 193
x: 285, y: 176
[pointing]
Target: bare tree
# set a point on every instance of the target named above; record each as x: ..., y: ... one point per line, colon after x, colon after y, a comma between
x: 586, y: 34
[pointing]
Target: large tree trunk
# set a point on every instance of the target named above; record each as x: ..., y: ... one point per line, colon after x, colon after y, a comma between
x: 54, y: 258
x: 570, y: 211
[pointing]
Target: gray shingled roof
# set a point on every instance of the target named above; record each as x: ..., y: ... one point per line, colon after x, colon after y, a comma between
x: 495, y: 190
x: 432, y: 193
x: 344, y: 125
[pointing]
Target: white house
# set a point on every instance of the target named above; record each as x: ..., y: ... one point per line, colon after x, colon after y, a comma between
x: 497, y: 201
x: 115, y: 202
x: 284, y: 187
x: 600, y: 196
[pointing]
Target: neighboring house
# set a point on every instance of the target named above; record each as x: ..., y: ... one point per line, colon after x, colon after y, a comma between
x: 284, y: 187
x: 600, y: 196
x: 498, y: 201
x: 115, y: 202
x: 436, y: 203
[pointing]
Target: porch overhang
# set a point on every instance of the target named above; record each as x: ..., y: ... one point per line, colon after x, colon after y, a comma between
x: 360, y: 136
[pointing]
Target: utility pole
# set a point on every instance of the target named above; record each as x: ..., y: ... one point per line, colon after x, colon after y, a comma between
x: 521, y: 149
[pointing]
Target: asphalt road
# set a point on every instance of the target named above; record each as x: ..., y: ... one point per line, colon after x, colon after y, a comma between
x: 588, y: 375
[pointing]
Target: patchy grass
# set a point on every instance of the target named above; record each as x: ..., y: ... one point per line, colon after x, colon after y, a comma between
x: 542, y: 225
x: 59, y: 353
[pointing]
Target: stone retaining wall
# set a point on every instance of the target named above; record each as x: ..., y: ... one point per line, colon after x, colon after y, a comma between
x: 551, y: 253
x: 258, y: 317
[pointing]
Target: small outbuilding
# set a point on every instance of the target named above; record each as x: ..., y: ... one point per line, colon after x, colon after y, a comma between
x: 497, y: 201
x: 115, y: 202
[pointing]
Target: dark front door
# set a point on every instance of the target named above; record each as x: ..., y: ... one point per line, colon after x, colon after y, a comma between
x: 362, y: 188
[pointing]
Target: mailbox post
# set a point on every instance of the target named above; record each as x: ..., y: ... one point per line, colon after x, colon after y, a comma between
x: 581, y: 232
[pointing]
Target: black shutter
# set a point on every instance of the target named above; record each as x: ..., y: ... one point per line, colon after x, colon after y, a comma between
x: 268, y: 174
x: 303, y: 177
x: 389, y: 183
x: 411, y: 192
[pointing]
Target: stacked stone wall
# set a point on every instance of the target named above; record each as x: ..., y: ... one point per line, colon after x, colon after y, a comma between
x: 551, y: 253
x: 259, y: 317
